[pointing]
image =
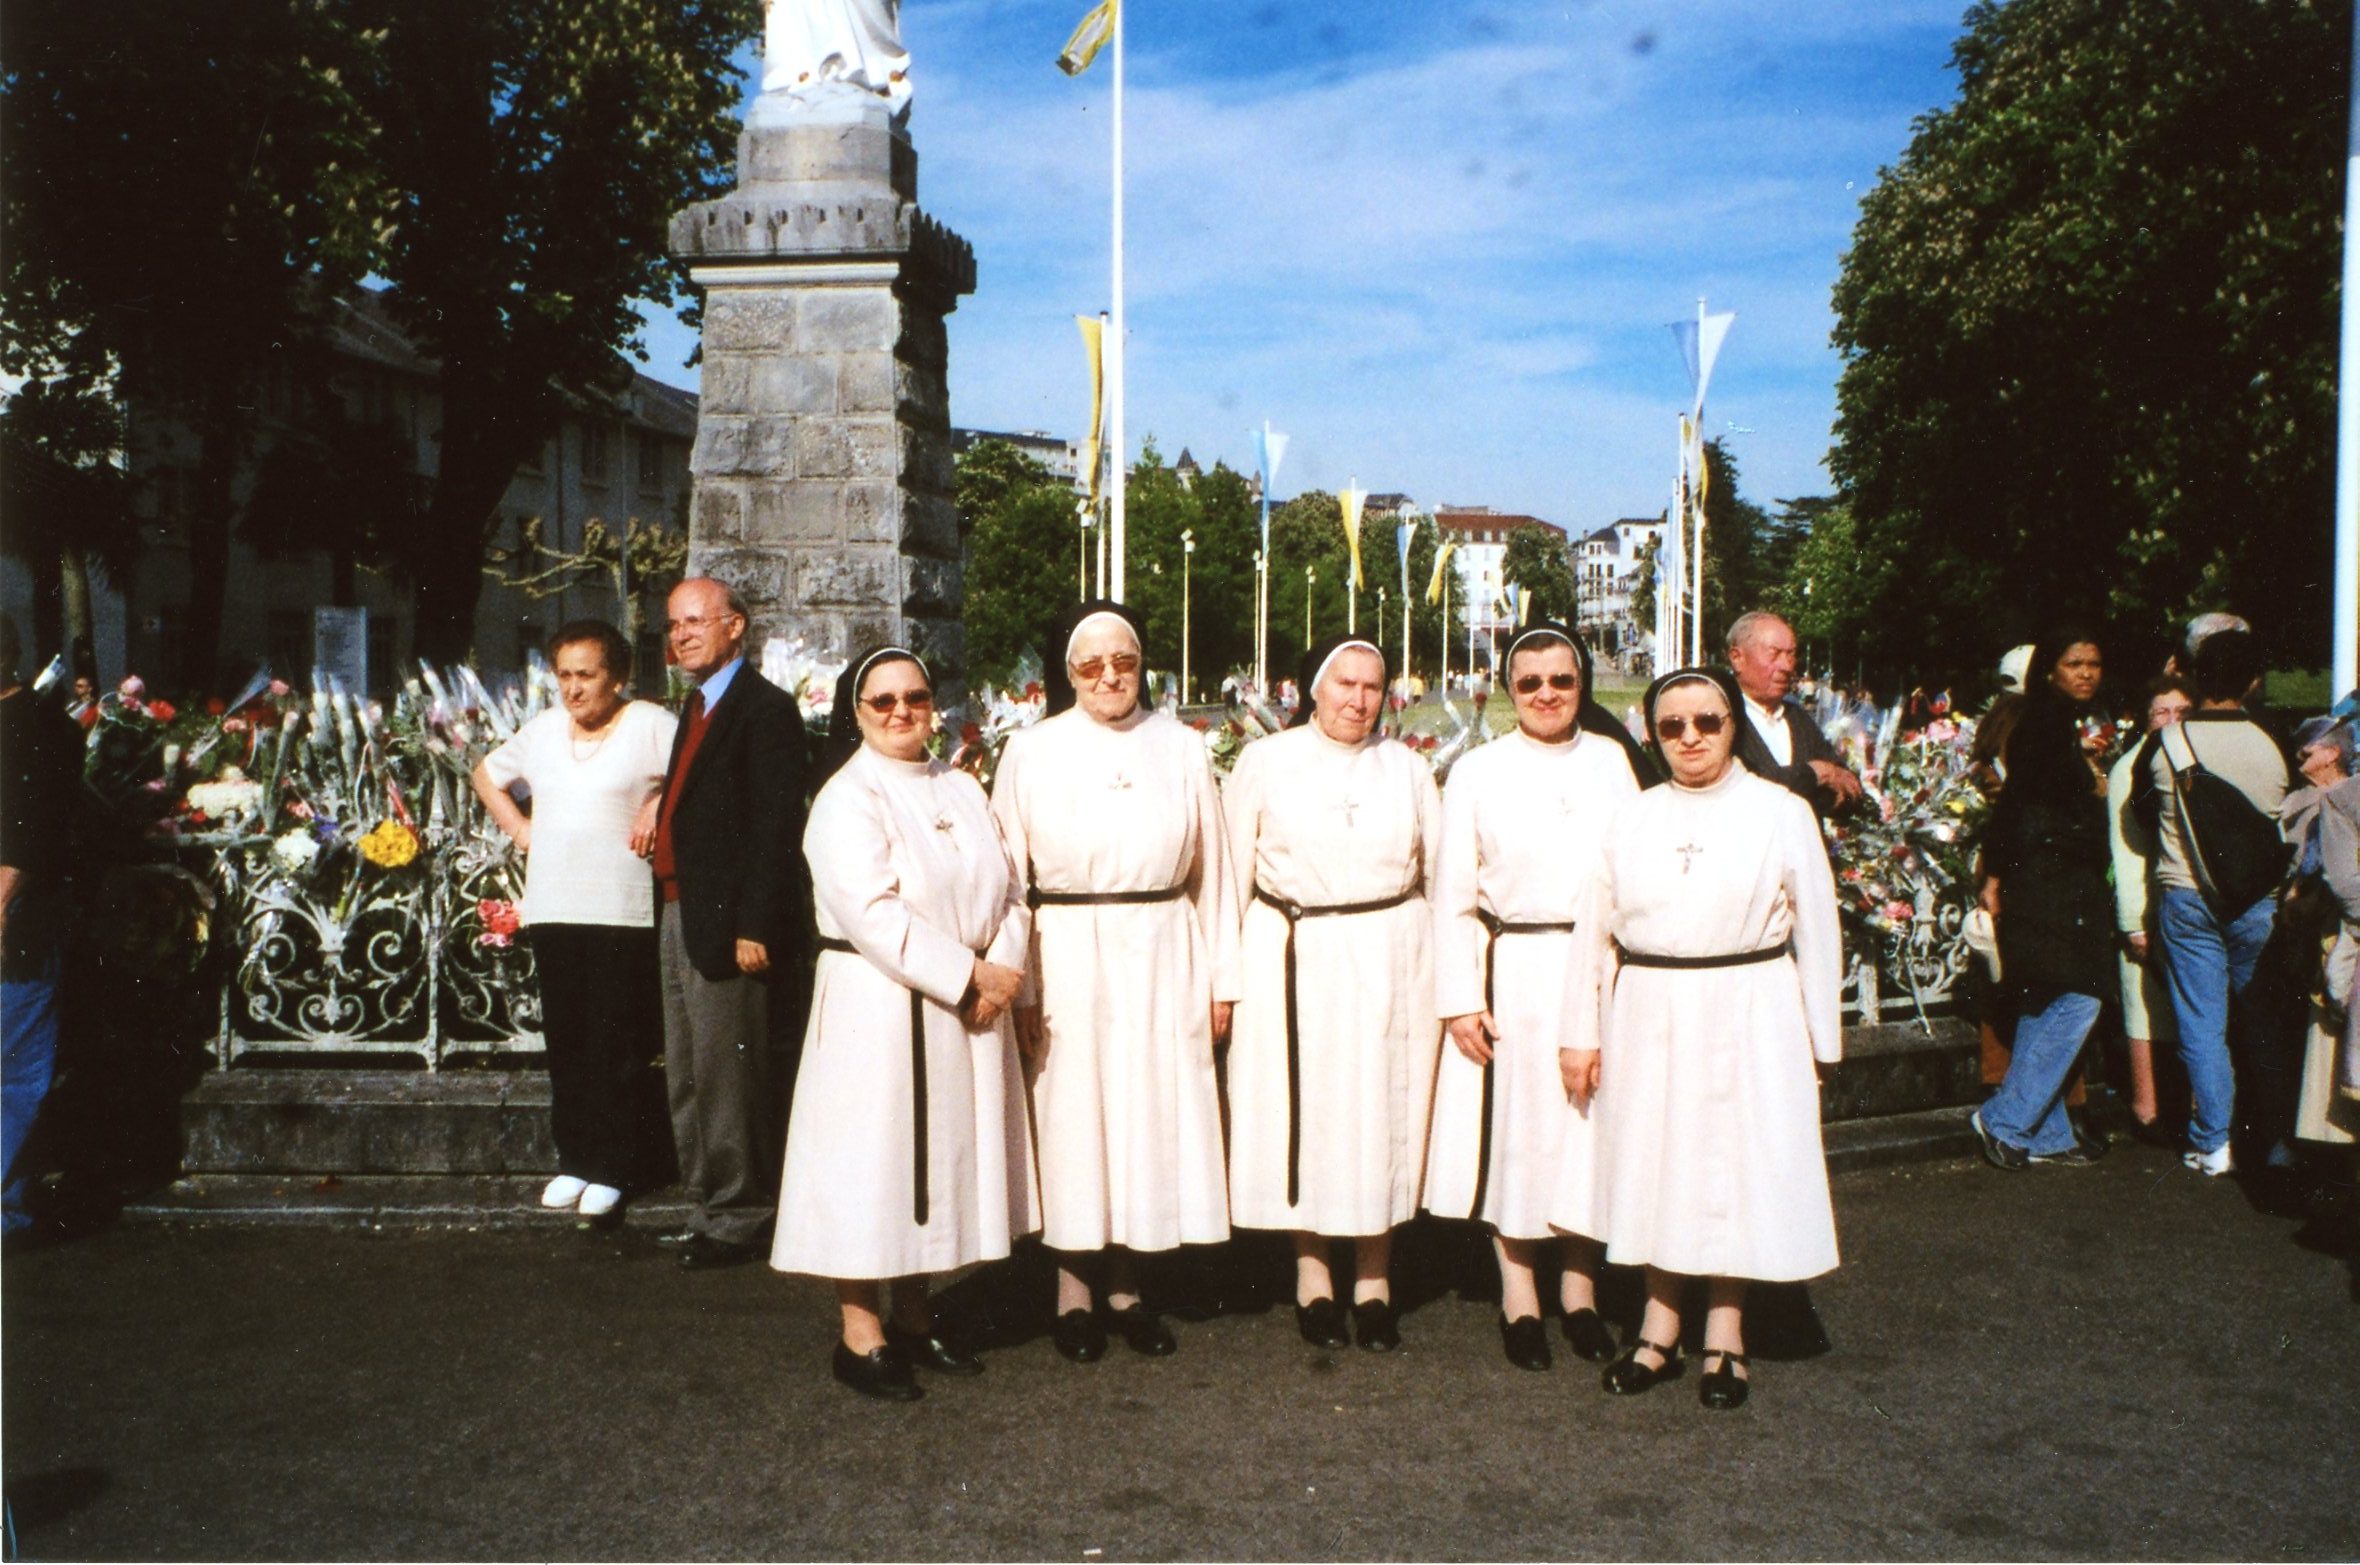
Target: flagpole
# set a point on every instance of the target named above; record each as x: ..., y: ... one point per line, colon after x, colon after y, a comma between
x: 2344, y: 655
x: 1115, y: 349
x: 1696, y: 618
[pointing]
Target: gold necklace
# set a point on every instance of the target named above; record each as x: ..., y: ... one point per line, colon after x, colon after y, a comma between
x: 573, y: 743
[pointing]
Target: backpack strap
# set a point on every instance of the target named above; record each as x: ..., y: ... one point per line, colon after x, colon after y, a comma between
x: 2180, y: 755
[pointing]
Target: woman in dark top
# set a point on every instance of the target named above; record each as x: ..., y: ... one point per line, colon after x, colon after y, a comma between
x: 2046, y: 856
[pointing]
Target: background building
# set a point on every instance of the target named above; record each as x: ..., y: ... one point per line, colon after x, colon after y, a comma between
x: 1482, y: 536
x: 1605, y: 565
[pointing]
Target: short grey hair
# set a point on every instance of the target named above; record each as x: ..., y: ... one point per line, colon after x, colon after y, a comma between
x: 1742, y: 628
x: 731, y: 599
x: 2204, y: 627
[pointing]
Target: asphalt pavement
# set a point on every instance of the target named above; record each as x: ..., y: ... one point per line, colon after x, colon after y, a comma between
x: 2125, y: 1362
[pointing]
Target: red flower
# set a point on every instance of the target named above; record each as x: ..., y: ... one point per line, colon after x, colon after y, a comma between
x: 1201, y: 724
x: 499, y: 918
x: 215, y: 706
x: 162, y: 711
x: 88, y: 716
x: 1033, y: 691
x: 971, y: 734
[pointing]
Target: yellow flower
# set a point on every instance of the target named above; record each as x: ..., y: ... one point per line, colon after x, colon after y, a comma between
x: 389, y: 845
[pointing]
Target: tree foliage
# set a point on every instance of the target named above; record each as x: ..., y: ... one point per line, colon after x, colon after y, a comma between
x: 1539, y: 560
x: 2088, y: 328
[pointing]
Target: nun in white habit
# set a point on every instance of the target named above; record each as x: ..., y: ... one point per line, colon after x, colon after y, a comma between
x: 908, y: 1149
x: 1702, y: 991
x: 1113, y: 819
x: 1523, y: 822
x: 1331, y: 1065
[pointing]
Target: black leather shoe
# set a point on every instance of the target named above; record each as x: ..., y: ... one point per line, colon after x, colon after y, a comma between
x: 1146, y: 1333
x: 1526, y: 1342
x: 932, y: 1349
x: 1322, y: 1324
x: 2002, y: 1155
x: 1587, y: 1334
x: 1724, y: 1388
x: 1080, y: 1337
x: 704, y: 1253
x: 882, y: 1374
x: 1373, y: 1326
x: 1627, y: 1377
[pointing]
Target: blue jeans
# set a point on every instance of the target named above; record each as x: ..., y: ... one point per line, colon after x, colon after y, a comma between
x: 2209, y: 962
x: 2028, y: 1111
x: 28, y: 1058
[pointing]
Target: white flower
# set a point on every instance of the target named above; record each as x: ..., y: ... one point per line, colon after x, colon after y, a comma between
x: 293, y: 852
x: 228, y: 796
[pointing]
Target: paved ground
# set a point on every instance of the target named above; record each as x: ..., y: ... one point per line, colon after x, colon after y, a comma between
x: 2126, y: 1362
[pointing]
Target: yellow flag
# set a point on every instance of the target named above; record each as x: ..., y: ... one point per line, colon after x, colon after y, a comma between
x: 1441, y: 564
x: 1091, y: 344
x: 1096, y: 29
x: 1351, y: 499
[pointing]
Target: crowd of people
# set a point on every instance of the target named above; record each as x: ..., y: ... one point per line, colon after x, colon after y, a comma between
x: 1581, y: 996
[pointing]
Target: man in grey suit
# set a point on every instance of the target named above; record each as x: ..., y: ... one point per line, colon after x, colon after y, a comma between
x: 729, y: 869
x: 1777, y: 738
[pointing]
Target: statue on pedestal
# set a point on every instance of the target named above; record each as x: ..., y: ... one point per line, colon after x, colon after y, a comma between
x: 819, y: 50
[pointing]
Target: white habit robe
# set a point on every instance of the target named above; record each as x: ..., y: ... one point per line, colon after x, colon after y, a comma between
x: 1709, y: 1157
x: 1125, y: 1095
x: 908, y: 866
x: 1319, y: 824
x: 1523, y: 824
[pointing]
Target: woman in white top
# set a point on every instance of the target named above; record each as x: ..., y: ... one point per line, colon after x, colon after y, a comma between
x: 2146, y: 997
x: 1331, y: 1063
x: 1704, y: 985
x: 1523, y: 822
x: 1114, y: 824
x: 593, y: 766
x: 908, y: 1152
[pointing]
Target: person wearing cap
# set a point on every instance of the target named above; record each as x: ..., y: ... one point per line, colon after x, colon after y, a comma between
x: 1331, y: 1067
x: 1778, y: 740
x: 1114, y: 824
x: 1523, y: 821
x: 1703, y: 984
x: 908, y: 1151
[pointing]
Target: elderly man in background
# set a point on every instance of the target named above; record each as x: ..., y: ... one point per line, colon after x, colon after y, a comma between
x: 728, y: 875
x: 1778, y: 740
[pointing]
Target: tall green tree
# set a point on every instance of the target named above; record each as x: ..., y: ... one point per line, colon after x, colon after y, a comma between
x: 182, y: 182
x: 1737, y: 570
x: 539, y: 148
x: 1539, y: 560
x: 2088, y: 324
x: 1020, y: 532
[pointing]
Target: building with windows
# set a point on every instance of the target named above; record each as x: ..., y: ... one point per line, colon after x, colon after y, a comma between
x: 1063, y: 458
x: 616, y: 456
x: 1482, y: 534
x: 1606, y: 566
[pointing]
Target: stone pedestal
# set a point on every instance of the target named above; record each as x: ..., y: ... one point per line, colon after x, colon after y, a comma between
x: 823, y: 456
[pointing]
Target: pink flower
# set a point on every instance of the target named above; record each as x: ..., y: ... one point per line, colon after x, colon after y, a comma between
x: 132, y: 687
x: 494, y: 940
x: 500, y: 919
x: 163, y: 711
x: 1900, y: 912
x: 278, y: 687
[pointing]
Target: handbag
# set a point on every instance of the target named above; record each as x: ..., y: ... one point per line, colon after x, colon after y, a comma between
x: 2234, y: 849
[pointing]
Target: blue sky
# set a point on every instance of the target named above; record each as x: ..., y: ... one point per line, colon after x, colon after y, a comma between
x: 1438, y: 244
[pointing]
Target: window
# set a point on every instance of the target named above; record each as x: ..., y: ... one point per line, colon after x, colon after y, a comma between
x: 598, y: 457
x: 651, y: 463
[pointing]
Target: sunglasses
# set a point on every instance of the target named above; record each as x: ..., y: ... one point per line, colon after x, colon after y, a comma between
x: 915, y: 700
x: 1531, y: 684
x: 1707, y: 725
x: 1122, y: 663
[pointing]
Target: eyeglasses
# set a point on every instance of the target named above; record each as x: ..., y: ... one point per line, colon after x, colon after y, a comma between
x: 1707, y: 725
x: 696, y: 621
x: 1531, y: 684
x: 915, y: 700
x: 1090, y: 668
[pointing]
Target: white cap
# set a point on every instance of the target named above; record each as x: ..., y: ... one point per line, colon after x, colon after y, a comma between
x: 2013, y: 666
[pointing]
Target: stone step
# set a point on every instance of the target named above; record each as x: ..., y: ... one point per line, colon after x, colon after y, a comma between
x: 1902, y: 1068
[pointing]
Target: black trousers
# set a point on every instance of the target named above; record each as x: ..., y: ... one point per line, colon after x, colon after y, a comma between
x: 603, y: 1023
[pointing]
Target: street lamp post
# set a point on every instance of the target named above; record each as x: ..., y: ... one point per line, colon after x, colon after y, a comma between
x: 1310, y: 575
x: 1381, y: 620
x: 1187, y: 556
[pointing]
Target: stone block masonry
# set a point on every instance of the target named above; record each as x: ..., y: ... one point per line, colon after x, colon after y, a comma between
x: 823, y: 463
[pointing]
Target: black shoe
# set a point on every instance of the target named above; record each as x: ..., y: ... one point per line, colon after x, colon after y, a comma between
x: 677, y: 1238
x: 932, y: 1349
x: 1080, y: 1337
x: 1145, y: 1333
x: 2092, y: 1142
x: 1526, y: 1342
x: 1996, y: 1152
x: 1724, y: 1388
x: 1322, y: 1324
x: 704, y: 1253
x: 1373, y: 1326
x: 1627, y: 1377
x: 1587, y: 1334
x: 882, y: 1374
x: 2071, y: 1157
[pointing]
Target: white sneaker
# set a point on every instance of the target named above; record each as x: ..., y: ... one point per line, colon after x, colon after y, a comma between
x: 2211, y: 1164
x: 598, y: 1200
x: 563, y: 1191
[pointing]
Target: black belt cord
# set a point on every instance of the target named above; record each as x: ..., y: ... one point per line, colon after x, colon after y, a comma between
x: 1036, y: 897
x: 1294, y: 912
x: 1494, y: 927
x: 920, y: 1205
x: 1696, y: 963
